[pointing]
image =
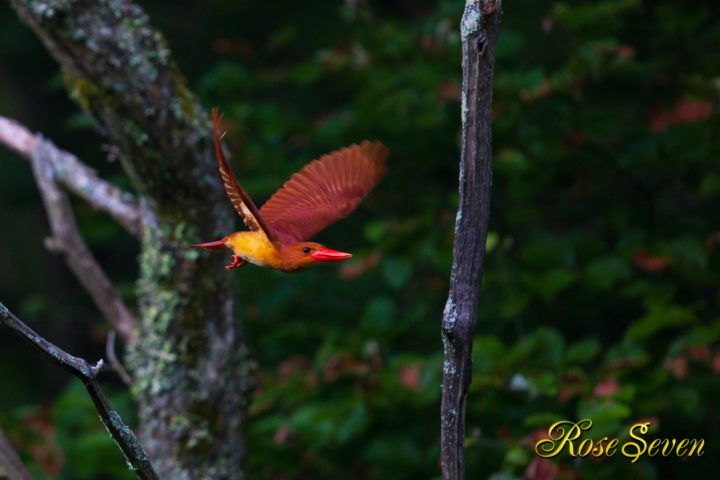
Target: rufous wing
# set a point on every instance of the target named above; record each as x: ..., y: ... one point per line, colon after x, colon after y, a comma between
x: 237, y: 194
x: 325, y: 190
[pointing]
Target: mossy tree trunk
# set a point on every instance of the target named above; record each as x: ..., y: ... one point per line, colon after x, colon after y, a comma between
x: 188, y: 360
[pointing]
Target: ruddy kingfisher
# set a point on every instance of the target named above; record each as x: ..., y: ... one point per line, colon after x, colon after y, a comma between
x: 321, y: 193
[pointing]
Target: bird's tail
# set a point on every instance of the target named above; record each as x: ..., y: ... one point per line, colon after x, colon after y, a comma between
x: 216, y: 245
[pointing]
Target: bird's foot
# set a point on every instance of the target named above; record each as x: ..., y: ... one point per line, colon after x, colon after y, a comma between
x: 236, y: 263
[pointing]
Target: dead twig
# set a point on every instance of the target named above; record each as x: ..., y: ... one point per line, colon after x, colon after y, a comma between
x: 67, y: 240
x: 114, y: 360
x: 479, y: 27
x: 134, y: 453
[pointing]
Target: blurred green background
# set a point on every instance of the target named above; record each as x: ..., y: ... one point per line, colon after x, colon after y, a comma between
x: 600, y: 296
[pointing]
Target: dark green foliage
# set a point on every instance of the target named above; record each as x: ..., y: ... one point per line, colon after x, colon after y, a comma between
x: 67, y: 438
x: 600, y: 295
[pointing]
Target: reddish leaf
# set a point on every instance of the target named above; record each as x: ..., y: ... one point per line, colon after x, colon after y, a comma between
x: 409, y: 376
x: 655, y: 421
x: 700, y: 353
x: 650, y: 263
x: 678, y: 366
x: 537, y: 93
x: 46, y: 451
x: 240, y: 48
x: 716, y: 363
x: 685, y: 111
x: 293, y: 365
x: 541, y: 469
x: 570, y: 386
x: 532, y: 439
x: 449, y: 91
x: 623, y: 364
x: 336, y: 367
x: 606, y: 388
x: 547, y: 25
x: 281, y: 435
x: 626, y: 52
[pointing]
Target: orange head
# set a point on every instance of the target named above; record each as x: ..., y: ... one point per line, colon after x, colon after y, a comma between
x: 302, y: 255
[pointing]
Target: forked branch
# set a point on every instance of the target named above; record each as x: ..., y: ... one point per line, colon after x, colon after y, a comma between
x: 135, y: 454
x: 67, y: 240
x: 74, y: 175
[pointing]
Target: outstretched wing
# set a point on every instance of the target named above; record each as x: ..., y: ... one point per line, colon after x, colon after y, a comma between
x: 237, y: 194
x: 325, y: 190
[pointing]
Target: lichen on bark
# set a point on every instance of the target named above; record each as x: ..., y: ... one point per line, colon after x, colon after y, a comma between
x: 192, y: 375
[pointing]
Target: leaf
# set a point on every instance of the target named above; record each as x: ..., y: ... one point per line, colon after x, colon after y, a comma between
x: 491, y: 241
x: 396, y: 452
x: 583, y: 351
x: 659, y: 318
x: 379, y: 315
x: 511, y: 161
x: 397, y: 271
x: 328, y: 423
x: 549, y: 284
x: 541, y: 419
x: 607, y: 416
x: 685, y: 111
x: 604, y: 273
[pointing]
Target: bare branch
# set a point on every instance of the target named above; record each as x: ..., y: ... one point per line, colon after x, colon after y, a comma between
x: 134, y: 453
x: 479, y: 27
x: 11, y: 468
x: 74, y: 175
x: 66, y: 239
x: 114, y: 360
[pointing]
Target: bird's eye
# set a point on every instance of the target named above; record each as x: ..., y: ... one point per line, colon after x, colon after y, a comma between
x: 306, y: 250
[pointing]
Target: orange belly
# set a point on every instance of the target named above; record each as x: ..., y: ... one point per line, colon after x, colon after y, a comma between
x: 255, y: 247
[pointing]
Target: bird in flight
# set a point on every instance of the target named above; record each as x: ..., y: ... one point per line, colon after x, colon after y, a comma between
x: 321, y: 193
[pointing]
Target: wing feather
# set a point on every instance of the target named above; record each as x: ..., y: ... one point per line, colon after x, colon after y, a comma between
x: 325, y: 190
x: 236, y: 193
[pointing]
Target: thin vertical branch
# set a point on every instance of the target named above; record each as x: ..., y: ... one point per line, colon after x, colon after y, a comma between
x: 114, y: 360
x: 479, y: 27
x: 135, y: 454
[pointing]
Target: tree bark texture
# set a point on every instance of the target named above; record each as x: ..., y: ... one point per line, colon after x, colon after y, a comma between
x: 479, y: 27
x: 192, y: 377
